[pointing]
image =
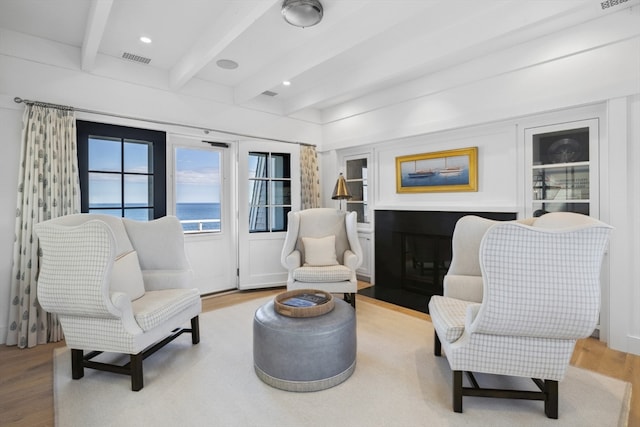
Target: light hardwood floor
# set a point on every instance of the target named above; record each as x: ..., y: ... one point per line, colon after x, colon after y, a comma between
x: 26, y: 376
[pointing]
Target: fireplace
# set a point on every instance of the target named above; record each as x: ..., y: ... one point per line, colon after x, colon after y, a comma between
x: 425, y: 259
x: 413, y: 253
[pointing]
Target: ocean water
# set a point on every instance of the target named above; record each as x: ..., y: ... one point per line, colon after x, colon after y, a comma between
x: 194, y: 216
x: 435, y: 180
x: 206, y: 215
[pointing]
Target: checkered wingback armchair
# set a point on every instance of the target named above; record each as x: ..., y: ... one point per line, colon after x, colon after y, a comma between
x: 117, y: 286
x: 322, y: 251
x: 540, y: 281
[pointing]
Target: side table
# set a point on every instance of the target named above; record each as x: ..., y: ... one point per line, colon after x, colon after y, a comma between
x: 304, y: 354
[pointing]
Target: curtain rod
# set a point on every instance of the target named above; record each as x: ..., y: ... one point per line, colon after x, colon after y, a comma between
x: 19, y: 100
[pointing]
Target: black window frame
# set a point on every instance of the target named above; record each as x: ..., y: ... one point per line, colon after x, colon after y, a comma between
x: 268, y: 181
x: 85, y: 129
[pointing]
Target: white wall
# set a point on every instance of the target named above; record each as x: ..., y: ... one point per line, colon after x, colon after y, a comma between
x: 501, y: 172
x: 633, y: 197
x: 496, y: 154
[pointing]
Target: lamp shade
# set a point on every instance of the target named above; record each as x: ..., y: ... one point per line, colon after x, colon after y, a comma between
x: 302, y: 13
x: 341, y: 191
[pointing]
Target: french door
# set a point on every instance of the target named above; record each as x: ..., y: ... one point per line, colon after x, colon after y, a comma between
x: 203, y: 197
x: 268, y: 188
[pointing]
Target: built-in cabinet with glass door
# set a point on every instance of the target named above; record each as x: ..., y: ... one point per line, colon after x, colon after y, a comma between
x: 563, y: 174
x: 357, y: 168
x: 356, y: 178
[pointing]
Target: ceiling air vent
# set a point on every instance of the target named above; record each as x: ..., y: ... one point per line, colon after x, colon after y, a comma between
x: 269, y: 93
x: 135, y: 58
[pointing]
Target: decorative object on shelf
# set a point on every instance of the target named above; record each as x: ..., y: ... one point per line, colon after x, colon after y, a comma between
x: 302, y: 13
x: 564, y: 150
x: 451, y: 170
x: 561, y: 161
x: 341, y: 191
x: 303, y: 303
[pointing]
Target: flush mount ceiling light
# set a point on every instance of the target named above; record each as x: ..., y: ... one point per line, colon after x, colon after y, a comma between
x: 302, y: 13
x: 145, y: 39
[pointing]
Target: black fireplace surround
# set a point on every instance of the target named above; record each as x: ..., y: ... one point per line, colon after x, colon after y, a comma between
x: 413, y: 253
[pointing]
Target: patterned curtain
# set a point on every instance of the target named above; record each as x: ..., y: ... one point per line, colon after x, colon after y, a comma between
x: 309, y: 177
x: 48, y: 187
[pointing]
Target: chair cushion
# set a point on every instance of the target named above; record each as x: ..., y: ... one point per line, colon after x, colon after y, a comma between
x: 448, y: 316
x: 320, y: 251
x: 332, y: 273
x: 155, y: 280
x: 155, y: 307
x: 126, y: 276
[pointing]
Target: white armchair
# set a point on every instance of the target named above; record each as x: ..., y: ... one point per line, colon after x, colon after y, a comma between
x: 517, y: 297
x: 322, y: 251
x: 117, y: 286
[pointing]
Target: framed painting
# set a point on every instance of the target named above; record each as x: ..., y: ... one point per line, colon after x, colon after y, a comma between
x: 451, y: 170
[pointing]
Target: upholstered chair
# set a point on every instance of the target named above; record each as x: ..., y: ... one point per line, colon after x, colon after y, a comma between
x: 517, y: 297
x: 322, y: 251
x: 117, y: 286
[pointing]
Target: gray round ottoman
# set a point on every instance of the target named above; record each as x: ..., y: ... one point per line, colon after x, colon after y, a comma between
x: 304, y: 354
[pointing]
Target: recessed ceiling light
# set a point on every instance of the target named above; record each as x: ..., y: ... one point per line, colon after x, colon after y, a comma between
x: 286, y: 83
x: 145, y: 39
x: 227, y: 64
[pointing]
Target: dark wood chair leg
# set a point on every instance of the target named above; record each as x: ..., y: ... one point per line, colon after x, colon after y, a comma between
x: 77, y: 364
x: 437, y: 346
x: 350, y: 298
x: 137, y: 381
x: 551, y: 399
x: 457, y: 391
x: 195, y: 330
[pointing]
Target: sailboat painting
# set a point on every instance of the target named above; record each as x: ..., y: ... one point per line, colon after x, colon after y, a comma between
x: 452, y: 170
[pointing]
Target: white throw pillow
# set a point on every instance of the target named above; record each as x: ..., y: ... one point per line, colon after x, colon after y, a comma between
x: 320, y: 251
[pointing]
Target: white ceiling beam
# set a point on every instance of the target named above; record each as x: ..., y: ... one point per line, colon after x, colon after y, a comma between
x: 96, y: 23
x: 238, y: 17
x: 464, y: 34
x: 364, y: 21
x: 554, y: 46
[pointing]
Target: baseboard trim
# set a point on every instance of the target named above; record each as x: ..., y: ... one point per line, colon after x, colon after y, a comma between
x: 633, y: 344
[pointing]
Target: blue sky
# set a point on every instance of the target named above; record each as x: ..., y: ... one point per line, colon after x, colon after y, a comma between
x: 197, y: 175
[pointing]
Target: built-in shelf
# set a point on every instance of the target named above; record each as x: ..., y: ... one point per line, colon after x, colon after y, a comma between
x: 562, y: 170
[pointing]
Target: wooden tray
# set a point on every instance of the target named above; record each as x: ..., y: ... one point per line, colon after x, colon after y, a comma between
x: 311, y: 311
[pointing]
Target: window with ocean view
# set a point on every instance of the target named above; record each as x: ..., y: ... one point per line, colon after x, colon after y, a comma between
x: 198, y: 176
x: 122, y: 171
x: 269, y: 191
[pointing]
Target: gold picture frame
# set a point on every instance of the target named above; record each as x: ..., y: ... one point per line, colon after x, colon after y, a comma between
x: 442, y: 171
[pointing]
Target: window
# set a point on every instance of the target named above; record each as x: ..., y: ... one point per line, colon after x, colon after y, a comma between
x: 269, y: 191
x: 122, y: 171
x: 198, y: 176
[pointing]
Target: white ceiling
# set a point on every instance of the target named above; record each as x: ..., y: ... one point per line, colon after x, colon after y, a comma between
x: 360, y: 47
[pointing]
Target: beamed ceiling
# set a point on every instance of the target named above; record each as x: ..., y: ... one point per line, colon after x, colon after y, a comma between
x: 361, y: 47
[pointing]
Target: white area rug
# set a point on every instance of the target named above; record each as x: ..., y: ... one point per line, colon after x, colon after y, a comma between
x: 397, y: 382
